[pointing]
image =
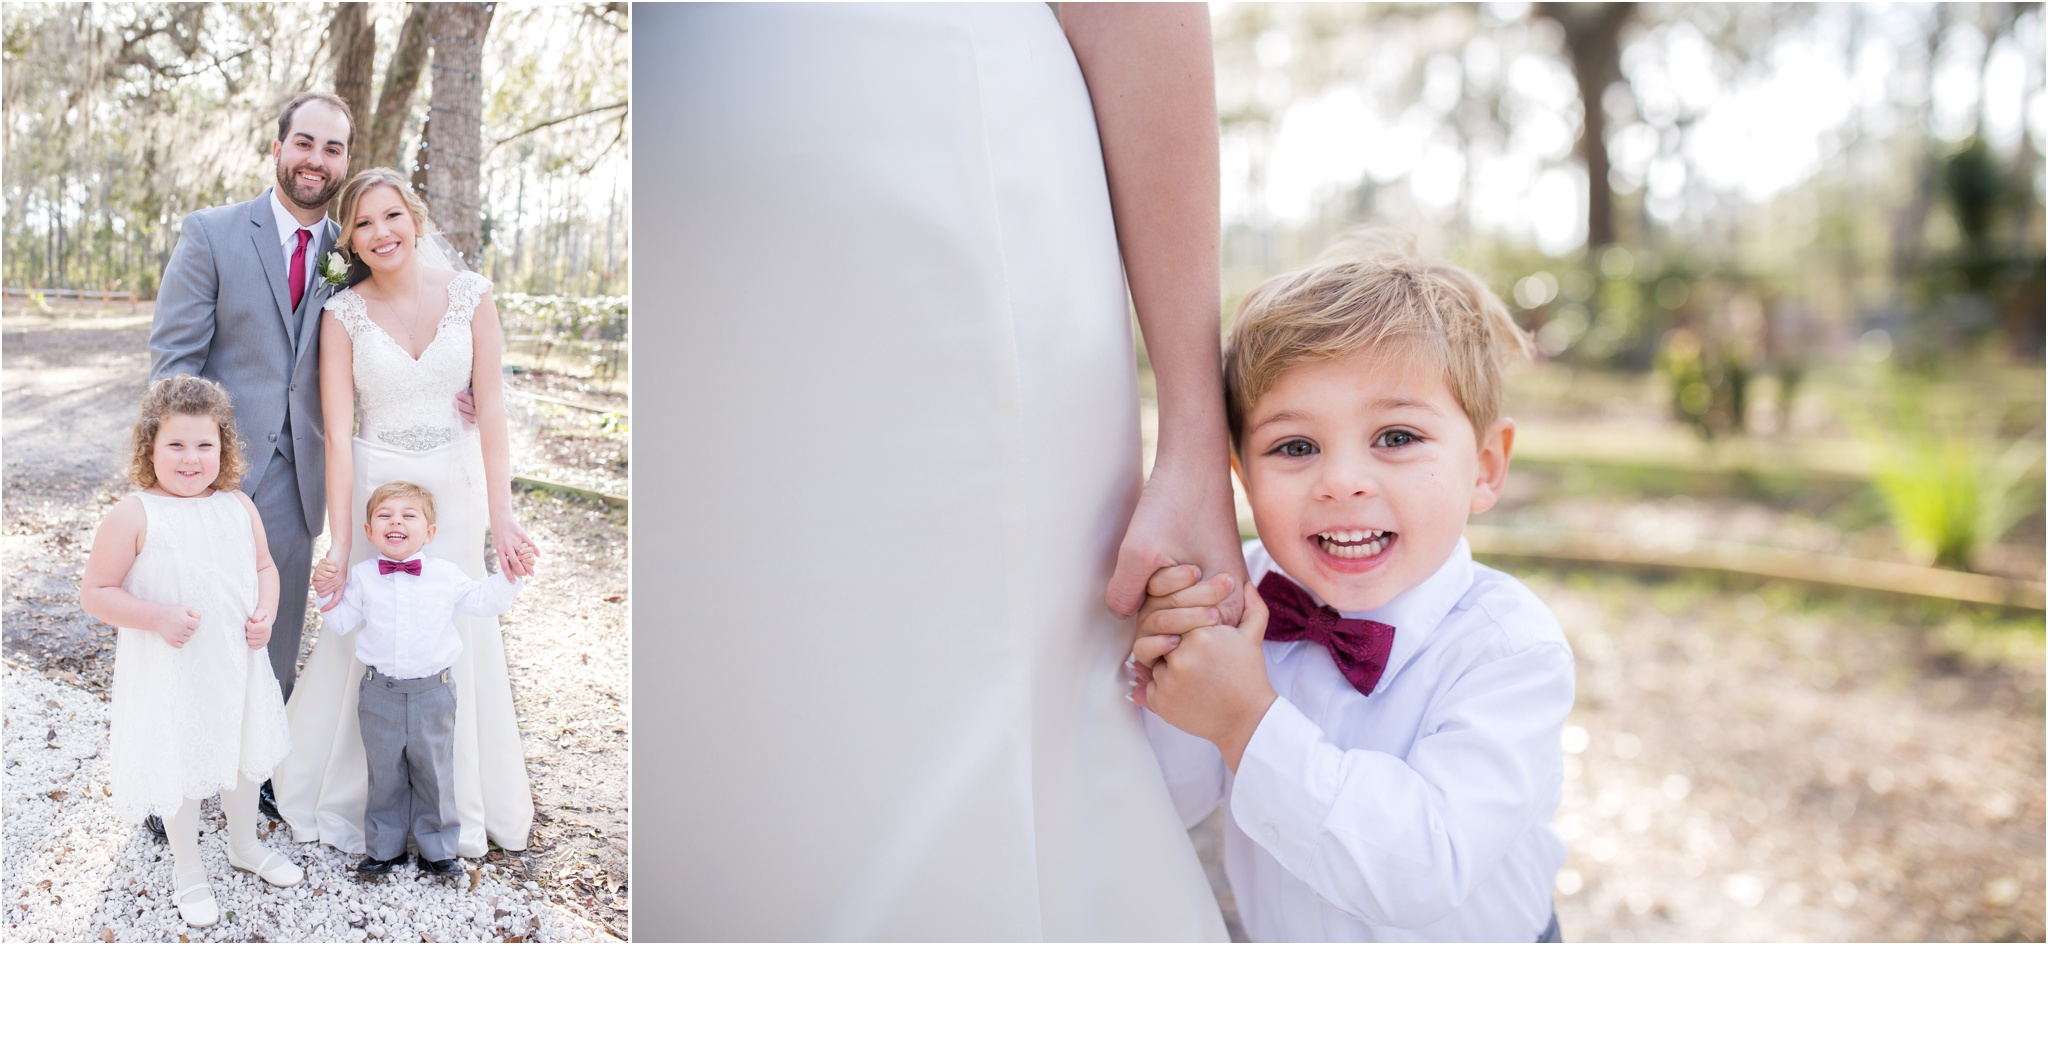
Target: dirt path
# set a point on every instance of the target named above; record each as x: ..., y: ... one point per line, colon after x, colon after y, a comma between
x: 68, y: 388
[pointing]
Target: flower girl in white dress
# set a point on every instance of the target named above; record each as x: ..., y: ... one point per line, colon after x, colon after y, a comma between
x: 181, y: 568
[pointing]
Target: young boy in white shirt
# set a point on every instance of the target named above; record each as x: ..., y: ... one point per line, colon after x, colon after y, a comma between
x: 406, y: 605
x: 1384, y: 722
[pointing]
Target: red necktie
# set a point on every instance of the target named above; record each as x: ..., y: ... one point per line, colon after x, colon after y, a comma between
x: 385, y: 566
x: 298, y: 276
x: 1359, y: 647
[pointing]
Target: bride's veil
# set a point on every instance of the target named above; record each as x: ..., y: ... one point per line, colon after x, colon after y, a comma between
x: 436, y: 252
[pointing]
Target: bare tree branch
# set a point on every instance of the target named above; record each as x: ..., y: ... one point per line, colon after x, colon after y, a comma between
x: 550, y: 123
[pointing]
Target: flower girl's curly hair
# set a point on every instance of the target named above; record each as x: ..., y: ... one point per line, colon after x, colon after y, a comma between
x: 191, y: 397
x: 351, y: 196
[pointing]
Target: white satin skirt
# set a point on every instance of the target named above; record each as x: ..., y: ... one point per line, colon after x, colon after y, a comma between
x: 324, y: 782
x: 908, y: 422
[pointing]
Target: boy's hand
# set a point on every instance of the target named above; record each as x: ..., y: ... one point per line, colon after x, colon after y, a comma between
x: 1214, y: 683
x: 176, y: 624
x: 1175, y: 605
x: 527, y: 557
x: 257, y: 630
x: 328, y: 583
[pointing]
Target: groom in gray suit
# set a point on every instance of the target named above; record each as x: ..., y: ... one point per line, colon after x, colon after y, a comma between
x: 240, y: 305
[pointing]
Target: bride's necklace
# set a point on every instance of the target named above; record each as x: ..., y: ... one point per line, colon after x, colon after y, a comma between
x: 419, y: 294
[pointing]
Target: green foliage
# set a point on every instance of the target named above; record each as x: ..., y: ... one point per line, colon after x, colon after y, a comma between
x: 1950, y: 492
x: 601, y: 317
x: 1709, y: 384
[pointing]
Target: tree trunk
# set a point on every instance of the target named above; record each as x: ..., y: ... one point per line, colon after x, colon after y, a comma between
x: 1592, y: 41
x: 354, y: 39
x: 418, y: 178
x: 394, y: 105
x: 456, y: 31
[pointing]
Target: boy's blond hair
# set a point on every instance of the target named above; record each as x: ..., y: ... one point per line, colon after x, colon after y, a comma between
x: 400, y: 488
x: 184, y: 394
x: 1370, y: 293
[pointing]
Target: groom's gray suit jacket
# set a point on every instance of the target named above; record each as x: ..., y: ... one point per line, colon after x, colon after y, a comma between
x: 224, y: 312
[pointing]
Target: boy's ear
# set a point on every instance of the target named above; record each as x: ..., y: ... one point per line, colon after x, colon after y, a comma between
x: 1237, y: 468
x: 1494, y: 451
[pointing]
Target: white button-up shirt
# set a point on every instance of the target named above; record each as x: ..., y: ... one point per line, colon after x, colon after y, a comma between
x: 1421, y: 812
x: 408, y: 622
x: 288, y: 235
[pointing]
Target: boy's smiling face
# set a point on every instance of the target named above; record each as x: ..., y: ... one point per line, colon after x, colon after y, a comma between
x: 1361, y: 472
x: 399, y: 527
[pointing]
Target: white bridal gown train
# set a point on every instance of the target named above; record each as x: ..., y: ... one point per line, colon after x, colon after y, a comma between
x: 912, y: 449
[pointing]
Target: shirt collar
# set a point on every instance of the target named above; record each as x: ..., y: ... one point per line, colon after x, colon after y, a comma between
x: 1414, y: 613
x: 288, y: 223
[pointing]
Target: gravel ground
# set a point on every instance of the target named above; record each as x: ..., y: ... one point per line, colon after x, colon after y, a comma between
x: 69, y: 387
x: 1775, y: 764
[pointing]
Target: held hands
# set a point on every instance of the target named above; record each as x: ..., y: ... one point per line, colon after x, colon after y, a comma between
x: 328, y: 583
x: 516, y: 551
x: 1203, y: 677
x: 465, y: 407
x: 257, y: 630
x: 176, y: 624
x: 1180, y: 522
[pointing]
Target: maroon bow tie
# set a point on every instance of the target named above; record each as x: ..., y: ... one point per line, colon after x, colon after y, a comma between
x: 385, y: 566
x: 1359, y: 647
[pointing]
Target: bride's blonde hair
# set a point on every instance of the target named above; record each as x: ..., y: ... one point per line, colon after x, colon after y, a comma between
x: 351, y: 197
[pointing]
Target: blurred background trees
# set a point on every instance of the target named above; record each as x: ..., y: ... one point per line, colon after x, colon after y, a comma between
x: 122, y: 118
x: 1776, y: 220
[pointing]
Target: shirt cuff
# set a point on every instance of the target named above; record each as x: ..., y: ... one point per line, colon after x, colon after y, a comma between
x: 1285, y: 783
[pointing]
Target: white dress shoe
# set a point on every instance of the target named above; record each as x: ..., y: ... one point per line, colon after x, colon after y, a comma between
x: 268, y: 864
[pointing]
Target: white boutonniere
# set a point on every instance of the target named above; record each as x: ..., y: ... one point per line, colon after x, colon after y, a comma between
x: 334, y: 268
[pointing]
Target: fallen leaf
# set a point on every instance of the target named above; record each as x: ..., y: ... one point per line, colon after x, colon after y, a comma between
x: 182, y: 938
x: 476, y: 875
x: 60, y: 795
x: 106, y: 936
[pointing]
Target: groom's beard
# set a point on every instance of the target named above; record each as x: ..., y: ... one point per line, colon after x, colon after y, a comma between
x: 328, y: 186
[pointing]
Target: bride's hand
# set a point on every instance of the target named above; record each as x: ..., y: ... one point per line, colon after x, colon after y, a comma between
x: 516, y: 551
x: 1180, y: 521
x: 329, y: 579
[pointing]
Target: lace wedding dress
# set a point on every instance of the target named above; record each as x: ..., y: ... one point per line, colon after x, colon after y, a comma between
x: 202, y: 717
x: 409, y: 430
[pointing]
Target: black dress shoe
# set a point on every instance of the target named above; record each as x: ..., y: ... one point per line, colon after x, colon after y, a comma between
x: 370, y: 867
x: 155, y: 824
x: 266, y: 802
x: 448, y: 868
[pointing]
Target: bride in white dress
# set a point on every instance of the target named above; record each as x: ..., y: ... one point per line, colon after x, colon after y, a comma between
x: 893, y: 335
x: 395, y: 350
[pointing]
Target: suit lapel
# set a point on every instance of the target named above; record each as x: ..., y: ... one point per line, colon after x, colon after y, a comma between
x: 264, y: 233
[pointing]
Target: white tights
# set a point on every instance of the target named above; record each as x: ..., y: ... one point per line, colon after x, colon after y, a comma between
x: 181, y: 829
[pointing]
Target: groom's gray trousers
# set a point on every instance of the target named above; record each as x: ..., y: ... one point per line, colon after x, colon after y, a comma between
x: 278, y: 504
